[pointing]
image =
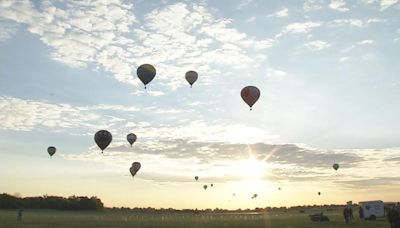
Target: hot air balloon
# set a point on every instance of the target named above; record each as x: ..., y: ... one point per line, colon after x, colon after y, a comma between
x: 103, y: 138
x: 135, y: 168
x: 212, y: 185
x: 131, y: 138
x: 146, y: 73
x: 191, y: 77
x: 254, y: 196
x: 51, y: 150
x: 196, y: 178
x: 250, y: 95
x: 319, y: 193
x: 279, y: 188
x: 205, y: 187
x: 335, y: 166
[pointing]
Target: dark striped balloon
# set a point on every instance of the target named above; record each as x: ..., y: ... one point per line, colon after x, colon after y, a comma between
x: 131, y: 138
x: 135, y: 168
x: 103, y: 138
x: 51, y: 150
x: 250, y: 95
x: 146, y: 73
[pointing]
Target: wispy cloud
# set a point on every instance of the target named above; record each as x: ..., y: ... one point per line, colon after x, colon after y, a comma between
x: 274, y: 73
x: 353, y: 22
x: 317, y: 45
x: 6, y: 30
x: 311, y: 5
x: 25, y: 115
x: 284, y: 12
x: 107, y: 35
x: 299, y: 27
x: 251, y: 19
x: 28, y: 115
x: 344, y: 59
x: 387, y: 3
x: 362, y: 42
x: 339, y: 5
x: 243, y: 4
x: 218, y: 161
x: 81, y: 33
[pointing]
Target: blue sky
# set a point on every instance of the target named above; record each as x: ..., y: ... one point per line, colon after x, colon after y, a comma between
x: 328, y: 74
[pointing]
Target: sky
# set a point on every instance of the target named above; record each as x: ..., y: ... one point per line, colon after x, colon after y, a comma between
x: 327, y: 70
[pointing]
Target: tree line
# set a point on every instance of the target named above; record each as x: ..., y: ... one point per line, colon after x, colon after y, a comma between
x: 93, y: 203
x: 50, y: 202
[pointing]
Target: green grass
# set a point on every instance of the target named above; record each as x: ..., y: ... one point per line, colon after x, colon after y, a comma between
x: 60, y: 219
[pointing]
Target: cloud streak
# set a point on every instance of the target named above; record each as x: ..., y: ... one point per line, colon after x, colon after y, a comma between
x: 218, y: 161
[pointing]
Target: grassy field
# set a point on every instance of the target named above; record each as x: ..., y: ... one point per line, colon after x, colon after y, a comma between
x: 60, y: 219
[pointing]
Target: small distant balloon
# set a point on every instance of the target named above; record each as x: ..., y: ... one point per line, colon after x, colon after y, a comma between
x: 51, y: 150
x: 146, y: 73
x: 211, y: 185
x: 191, y: 77
x: 335, y: 166
x: 131, y: 138
x: 250, y: 95
x: 103, y: 138
x: 205, y: 187
x: 254, y: 196
x: 279, y: 188
x: 196, y: 178
x: 135, y: 168
x: 319, y: 193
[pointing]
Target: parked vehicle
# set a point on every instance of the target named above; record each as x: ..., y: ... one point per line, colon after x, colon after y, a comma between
x: 372, y: 209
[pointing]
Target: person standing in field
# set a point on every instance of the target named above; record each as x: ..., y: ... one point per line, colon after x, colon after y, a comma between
x: 350, y: 212
x: 393, y: 218
x: 19, y: 217
x: 398, y: 208
x: 346, y: 214
x: 396, y: 216
x: 361, y: 213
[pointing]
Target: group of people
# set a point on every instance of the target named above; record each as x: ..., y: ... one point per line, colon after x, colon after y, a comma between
x: 392, y: 213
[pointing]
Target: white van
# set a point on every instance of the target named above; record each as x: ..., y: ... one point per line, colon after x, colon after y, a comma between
x: 372, y: 209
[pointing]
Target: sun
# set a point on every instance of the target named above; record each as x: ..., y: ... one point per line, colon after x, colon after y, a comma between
x: 252, y: 168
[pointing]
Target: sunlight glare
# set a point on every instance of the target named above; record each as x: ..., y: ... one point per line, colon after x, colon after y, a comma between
x: 252, y: 168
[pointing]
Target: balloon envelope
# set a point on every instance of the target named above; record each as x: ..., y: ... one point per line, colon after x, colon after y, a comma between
x: 319, y: 193
x: 196, y: 178
x: 103, y: 138
x: 250, y: 95
x: 211, y: 185
x: 146, y: 73
x: 191, y: 77
x: 205, y: 187
x: 131, y: 138
x: 335, y: 166
x: 51, y: 150
x: 135, y: 168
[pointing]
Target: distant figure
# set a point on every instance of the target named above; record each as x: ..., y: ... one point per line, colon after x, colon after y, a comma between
x: 398, y: 208
x: 396, y: 217
x: 346, y: 214
x: 351, y: 213
x: 393, y: 218
x: 20, y: 211
x: 361, y: 213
